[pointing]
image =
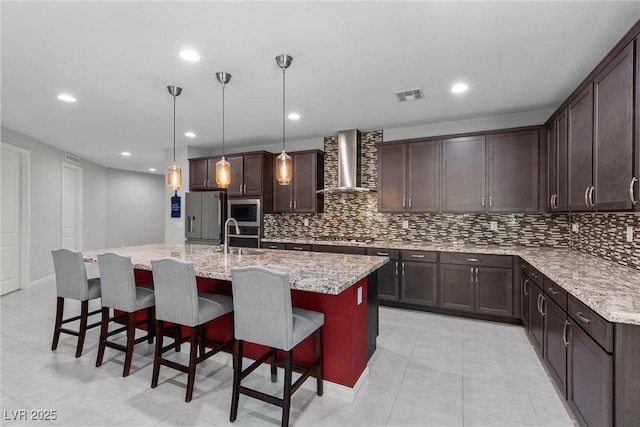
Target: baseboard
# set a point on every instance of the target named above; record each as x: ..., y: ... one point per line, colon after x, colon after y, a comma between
x: 49, y: 280
x: 331, y: 389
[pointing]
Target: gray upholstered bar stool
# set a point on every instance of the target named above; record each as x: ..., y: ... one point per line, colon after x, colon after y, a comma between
x: 178, y: 302
x: 263, y: 315
x: 119, y: 292
x: 72, y: 282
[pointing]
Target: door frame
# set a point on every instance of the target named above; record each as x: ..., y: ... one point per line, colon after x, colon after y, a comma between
x: 79, y: 203
x: 25, y: 212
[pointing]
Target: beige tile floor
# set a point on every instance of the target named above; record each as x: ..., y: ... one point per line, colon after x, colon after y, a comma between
x: 428, y: 370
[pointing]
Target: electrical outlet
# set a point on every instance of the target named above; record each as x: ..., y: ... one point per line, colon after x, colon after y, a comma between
x: 179, y: 225
x: 574, y: 227
x: 629, y: 233
x: 493, y: 225
x: 405, y: 224
x: 305, y: 222
x: 360, y: 295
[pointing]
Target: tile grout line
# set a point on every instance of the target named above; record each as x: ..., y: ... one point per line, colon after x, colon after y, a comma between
x: 395, y: 398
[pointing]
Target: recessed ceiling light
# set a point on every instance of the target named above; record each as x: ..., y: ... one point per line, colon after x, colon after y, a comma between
x: 294, y: 116
x: 459, y: 88
x: 66, y: 97
x: 190, y: 134
x: 126, y: 153
x: 190, y: 55
x: 152, y: 169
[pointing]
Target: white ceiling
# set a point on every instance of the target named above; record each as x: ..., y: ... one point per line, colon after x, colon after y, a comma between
x: 348, y: 60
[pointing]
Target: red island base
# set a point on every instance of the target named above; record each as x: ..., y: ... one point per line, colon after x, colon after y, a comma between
x: 344, y: 334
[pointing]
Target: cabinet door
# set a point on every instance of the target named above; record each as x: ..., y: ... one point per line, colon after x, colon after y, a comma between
x: 388, y: 281
x: 562, y: 135
x: 211, y: 173
x: 456, y: 287
x: 552, y: 168
x: 392, y: 177
x: 589, y: 379
x: 513, y: 172
x: 555, y: 351
x: 236, y: 164
x: 282, y: 197
x: 420, y: 283
x: 253, y: 175
x: 423, y: 181
x: 580, y: 149
x: 198, y: 174
x: 536, y: 319
x: 463, y: 174
x: 304, y: 182
x: 613, y: 133
x: 494, y: 291
x: 525, y: 298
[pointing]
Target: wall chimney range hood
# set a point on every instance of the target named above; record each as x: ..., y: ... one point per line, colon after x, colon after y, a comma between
x: 349, y: 156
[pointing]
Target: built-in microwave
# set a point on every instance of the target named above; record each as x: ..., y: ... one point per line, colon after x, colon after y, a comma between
x: 245, y: 211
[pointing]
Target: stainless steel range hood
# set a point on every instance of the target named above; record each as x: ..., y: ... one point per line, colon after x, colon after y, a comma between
x: 349, y: 177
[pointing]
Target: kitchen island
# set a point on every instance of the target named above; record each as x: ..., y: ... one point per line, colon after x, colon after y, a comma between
x: 334, y: 284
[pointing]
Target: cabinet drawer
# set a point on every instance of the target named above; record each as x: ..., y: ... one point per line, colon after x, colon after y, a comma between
x: 597, y: 327
x: 419, y: 256
x: 391, y: 253
x: 269, y: 245
x: 556, y: 293
x: 476, y: 259
x: 535, y: 275
x: 297, y: 247
x: 355, y: 250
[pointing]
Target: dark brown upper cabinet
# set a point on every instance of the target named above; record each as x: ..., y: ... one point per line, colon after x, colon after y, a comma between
x: 409, y: 176
x: 307, y: 178
x: 513, y: 172
x: 634, y: 185
x: 202, y: 174
x: 251, y: 175
x: 580, y: 150
x: 464, y: 174
x: 557, y: 165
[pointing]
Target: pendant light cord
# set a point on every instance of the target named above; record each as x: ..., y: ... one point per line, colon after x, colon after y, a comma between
x: 174, y: 129
x: 284, y: 69
x: 223, y: 86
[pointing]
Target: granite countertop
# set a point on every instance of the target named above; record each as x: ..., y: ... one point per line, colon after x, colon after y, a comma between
x: 611, y: 290
x: 309, y: 271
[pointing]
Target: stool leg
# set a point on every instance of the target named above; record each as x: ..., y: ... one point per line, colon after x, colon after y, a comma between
x: 319, y: 387
x: 193, y: 354
x: 274, y: 368
x: 84, y: 315
x: 158, y: 353
x: 150, y: 328
x: 56, y: 329
x: 201, y: 341
x: 178, y: 336
x: 288, y: 371
x: 237, y: 371
x: 104, y: 329
x: 131, y: 338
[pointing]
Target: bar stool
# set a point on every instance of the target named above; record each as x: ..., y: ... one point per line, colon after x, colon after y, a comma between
x: 72, y: 282
x: 119, y: 292
x: 263, y: 315
x: 178, y: 302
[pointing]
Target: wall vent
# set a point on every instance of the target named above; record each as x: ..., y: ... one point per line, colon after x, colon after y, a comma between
x: 71, y: 158
x: 409, y: 95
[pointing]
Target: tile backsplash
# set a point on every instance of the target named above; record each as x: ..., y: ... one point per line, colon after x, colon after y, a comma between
x: 356, y: 215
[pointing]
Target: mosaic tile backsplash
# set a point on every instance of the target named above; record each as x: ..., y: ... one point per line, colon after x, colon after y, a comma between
x: 356, y: 215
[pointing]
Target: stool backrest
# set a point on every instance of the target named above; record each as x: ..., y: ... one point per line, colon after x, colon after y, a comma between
x: 117, y: 281
x: 174, y: 283
x: 71, y: 274
x: 262, y: 306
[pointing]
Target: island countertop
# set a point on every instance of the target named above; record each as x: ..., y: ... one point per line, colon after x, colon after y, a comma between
x: 325, y: 273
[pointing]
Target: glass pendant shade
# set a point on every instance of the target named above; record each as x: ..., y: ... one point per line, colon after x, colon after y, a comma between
x: 174, y: 177
x: 223, y: 173
x: 283, y: 168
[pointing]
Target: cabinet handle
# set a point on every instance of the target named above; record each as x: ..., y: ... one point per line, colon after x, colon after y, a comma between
x: 240, y: 188
x: 273, y: 247
x: 473, y: 259
x: 633, y: 181
x: 396, y: 268
x: 297, y: 248
x: 539, y: 300
x: 383, y: 254
x: 523, y: 266
x: 476, y: 275
x: 586, y: 197
x: 582, y: 318
x: 552, y: 291
x: 417, y: 256
x: 208, y: 181
x: 490, y: 200
x: 290, y: 204
x: 403, y: 200
x: 564, y: 333
x: 534, y: 275
x: 403, y: 268
x: 409, y: 202
x: 524, y: 287
x: 472, y: 280
x: 543, y: 301
x: 204, y: 183
x: 483, y: 201
x: 591, y: 204
x: 245, y: 189
x: 551, y: 201
x: 295, y: 204
x: 555, y: 201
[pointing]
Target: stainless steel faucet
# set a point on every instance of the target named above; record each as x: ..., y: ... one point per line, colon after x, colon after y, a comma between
x: 226, y: 233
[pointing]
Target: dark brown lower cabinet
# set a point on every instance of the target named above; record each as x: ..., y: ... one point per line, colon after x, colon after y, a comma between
x: 456, y: 287
x: 388, y: 275
x: 419, y: 283
x: 555, y: 347
x: 536, y: 319
x: 493, y: 293
x: 589, y: 379
x: 525, y: 298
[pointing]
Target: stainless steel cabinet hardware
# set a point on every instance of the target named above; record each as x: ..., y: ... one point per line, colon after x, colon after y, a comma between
x: 473, y: 259
x: 240, y: 188
x: 245, y: 189
x: 633, y: 181
x: 204, y: 183
x: 297, y: 248
x: 417, y: 256
x: 383, y: 254
x: 582, y: 318
x: 522, y: 266
x: 290, y: 204
x: 534, y: 275
x: 564, y: 333
x: 591, y: 204
x: 273, y: 247
x: 490, y: 200
x: 586, y: 197
x: 295, y: 204
x: 552, y: 291
x: 396, y: 268
x: 403, y: 202
x: 472, y: 275
x: 524, y: 287
x: 543, y: 303
x: 482, y: 201
x: 551, y: 201
x: 476, y: 274
x: 538, y: 304
x: 191, y: 224
x: 409, y: 202
x: 403, y: 268
x: 555, y: 201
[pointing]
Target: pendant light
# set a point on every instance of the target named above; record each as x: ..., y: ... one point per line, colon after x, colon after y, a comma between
x: 283, y: 161
x: 223, y: 169
x: 174, y: 173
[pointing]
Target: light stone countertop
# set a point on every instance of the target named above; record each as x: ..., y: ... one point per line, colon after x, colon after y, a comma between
x: 611, y: 290
x: 309, y: 271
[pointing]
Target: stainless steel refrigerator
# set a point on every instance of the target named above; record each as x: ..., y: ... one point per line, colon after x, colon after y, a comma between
x: 206, y: 212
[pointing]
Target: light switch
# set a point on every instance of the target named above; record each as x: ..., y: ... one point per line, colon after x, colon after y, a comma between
x: 359, y: 295
x: 629, y: 233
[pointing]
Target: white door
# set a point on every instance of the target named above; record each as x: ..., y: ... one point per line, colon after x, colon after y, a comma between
x: 71, y: 207
x: 10, y: 238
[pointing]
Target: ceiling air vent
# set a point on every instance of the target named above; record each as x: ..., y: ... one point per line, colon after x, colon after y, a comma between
x: 71, y: 158
x: 409, y: 95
